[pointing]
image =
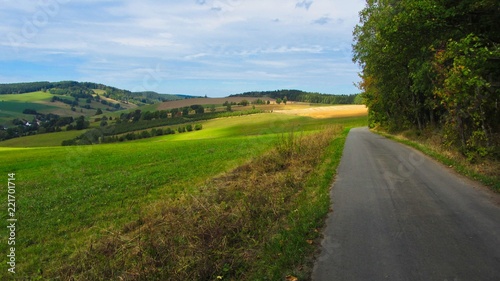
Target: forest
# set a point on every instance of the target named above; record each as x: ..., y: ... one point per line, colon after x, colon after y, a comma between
x: 301, y: 96
x: 433, y: 65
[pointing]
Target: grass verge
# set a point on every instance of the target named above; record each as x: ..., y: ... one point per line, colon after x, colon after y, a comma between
x: 253, y: 223
x: 485, y: 172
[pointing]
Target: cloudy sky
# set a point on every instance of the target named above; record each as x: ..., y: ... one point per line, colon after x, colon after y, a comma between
x: 195, y: 47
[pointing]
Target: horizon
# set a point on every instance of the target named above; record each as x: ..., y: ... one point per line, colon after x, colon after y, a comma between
x: 181, y: 94
x: 201, y: 47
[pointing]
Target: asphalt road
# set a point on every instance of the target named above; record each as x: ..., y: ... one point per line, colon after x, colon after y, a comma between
x: 399, y: 215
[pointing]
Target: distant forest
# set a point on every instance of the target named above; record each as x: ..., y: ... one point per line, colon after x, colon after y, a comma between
x: 73, y: 88
x: 301, y: 96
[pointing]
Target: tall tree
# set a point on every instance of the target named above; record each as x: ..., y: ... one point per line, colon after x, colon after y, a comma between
x: 432, y: 63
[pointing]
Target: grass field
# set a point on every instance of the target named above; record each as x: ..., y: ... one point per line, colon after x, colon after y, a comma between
x: 42, y: 140
x: 27, y: 97
x: 67, y: 197
x: 12, y: 106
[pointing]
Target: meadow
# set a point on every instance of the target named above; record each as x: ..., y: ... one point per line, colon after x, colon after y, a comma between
x: 69, y: 198
x: 12, y: 106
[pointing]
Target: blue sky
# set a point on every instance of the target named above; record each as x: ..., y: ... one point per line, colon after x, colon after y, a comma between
x: 194, y: 47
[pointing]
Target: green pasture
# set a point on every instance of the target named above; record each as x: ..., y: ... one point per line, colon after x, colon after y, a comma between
x: 27, y: 97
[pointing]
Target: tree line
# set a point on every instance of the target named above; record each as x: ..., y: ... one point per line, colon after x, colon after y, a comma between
x: 301, y: 96
x: 97, y: 137
x: 433, y: 64
x: 134, y: 123
x: 41, y: 124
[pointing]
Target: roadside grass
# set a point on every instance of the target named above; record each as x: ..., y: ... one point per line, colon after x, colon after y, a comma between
x: 485, y: 171
x: 290, y: 251
x: 223, y: 230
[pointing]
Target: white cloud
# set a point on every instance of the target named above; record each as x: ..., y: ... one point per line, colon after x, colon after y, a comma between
x: 223, y: 40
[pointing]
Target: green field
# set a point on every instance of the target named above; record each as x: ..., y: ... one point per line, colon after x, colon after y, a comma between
x: 12, y: 106
x: 27, y: 97
x: 69, y: 196
x: 41, y: 140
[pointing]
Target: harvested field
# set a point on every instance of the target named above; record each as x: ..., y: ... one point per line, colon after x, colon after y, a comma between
x: 328, y: 111
x: 205, y: 101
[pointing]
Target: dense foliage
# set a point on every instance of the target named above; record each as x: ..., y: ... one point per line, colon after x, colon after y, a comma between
x: 433, y: 64
x: 301, y: 96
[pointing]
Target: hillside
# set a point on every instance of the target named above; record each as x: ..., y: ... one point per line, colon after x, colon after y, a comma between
x: 45, y: 107
x: 74, y: 88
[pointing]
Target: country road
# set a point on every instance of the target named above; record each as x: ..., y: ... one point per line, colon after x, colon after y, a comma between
x: 399, y: 215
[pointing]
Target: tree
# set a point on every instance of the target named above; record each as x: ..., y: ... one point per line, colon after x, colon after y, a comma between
x: 81, y: 123
x: 98, y: 112
x: 279, y: 100
x: 174, y: 112
x: 198, y: 109
x: 429, y: 64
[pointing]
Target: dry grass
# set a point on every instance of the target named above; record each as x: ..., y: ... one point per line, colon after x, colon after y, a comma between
x: 220, y: 232
x: 484, y: 169
x: 434, y: 141
x: 329, y: 111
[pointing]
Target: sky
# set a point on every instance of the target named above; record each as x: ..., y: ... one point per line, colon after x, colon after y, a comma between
x: 194, y: 47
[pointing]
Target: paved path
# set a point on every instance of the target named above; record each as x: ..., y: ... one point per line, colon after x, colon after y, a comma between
x: 398, y: 215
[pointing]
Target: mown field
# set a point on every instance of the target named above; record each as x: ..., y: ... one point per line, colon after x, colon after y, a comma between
x: 71, y: 199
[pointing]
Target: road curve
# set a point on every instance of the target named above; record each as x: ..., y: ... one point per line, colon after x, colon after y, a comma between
x: 399, y: 215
